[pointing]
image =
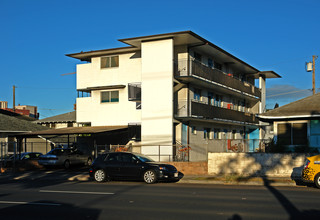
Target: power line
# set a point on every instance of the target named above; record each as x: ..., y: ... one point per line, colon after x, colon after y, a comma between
x: 42, y: 88
x: 285, y: 61
x: 288, y: 93
x: 57, y: 109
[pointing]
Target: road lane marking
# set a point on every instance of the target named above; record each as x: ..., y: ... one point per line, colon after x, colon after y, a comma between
x: 76, y: 192
x: 29, y: 203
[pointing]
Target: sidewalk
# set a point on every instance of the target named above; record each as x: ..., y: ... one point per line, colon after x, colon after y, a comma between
x: 82, y: 175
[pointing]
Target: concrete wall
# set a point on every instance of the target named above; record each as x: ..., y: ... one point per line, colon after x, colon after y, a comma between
x: 255, y: 164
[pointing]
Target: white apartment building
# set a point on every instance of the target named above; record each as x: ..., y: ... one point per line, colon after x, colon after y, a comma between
x: 178, y: 88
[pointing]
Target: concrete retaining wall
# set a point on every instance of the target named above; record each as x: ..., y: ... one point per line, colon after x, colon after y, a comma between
x: 256, y: 164
x: 191, y: 168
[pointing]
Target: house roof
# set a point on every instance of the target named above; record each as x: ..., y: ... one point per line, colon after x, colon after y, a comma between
x: 308, y: 107
x: 16, y: 115
x: 180, y: 38
x: 9, y: 124
x: 74, y: 130
x: 66, y: 117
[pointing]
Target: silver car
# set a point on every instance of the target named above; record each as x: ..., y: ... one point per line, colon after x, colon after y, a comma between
x: 64, y: 157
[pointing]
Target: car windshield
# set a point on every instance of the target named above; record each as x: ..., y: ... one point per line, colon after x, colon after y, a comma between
x: 144, y: 158
x: 57, y: 151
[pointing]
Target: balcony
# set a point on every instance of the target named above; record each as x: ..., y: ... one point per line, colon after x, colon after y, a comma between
x: 205, y: 111
x: 197, y: 69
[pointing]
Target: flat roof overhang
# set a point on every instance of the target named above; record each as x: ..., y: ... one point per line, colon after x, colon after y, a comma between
x: 72, y: 131
x: 267, y: 74
x: 86, y: 56
x: 180, y: 38
x: 88, y: 89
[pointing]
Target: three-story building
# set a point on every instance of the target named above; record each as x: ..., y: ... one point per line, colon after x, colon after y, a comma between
x: 178, y: 88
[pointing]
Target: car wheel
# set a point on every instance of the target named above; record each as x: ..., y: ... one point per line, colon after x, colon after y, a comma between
x: 150, y: 176
x: 66, y: 164
x: 317, y: 180
x: 100, y: 176
x: 89, y: 161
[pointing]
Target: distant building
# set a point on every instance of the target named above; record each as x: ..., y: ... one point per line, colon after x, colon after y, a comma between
x: 3, y: 104
x: 27, y: 110
x: 31, y: 111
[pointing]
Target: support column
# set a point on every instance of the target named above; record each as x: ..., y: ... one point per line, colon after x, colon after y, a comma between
x: 262, y: 105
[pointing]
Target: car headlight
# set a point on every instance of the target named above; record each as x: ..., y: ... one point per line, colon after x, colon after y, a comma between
x: 162, y: 168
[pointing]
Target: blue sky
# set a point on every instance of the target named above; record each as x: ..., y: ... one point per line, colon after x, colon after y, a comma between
x: 279, y: 35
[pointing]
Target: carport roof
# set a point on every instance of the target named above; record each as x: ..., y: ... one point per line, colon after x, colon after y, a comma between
x: 74, y: 130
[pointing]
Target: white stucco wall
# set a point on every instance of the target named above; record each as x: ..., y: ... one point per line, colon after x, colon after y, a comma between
x: 90, y: 109
x: 157, y: 96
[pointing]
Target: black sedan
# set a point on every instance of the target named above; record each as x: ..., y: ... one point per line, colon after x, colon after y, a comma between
x: 131, y: 166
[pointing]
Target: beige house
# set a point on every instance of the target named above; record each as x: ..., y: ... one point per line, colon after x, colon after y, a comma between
x: 297, y: 123
x: 65, y: 120
x: 177, y: 89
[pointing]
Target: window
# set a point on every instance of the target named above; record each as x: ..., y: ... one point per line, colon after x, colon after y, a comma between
x: 210, y: 63
x: 110, y: 96
x: 197, y: 94
x: 193, y: 130
x: 210, y: 98
x: 216, y: 133
x: 107, y: 62
x: 197, y: 56
x: 292, y: 133
x: 234, y: 134
x: 207, y: 133
x: 217, y: 101
x: 217, y: 66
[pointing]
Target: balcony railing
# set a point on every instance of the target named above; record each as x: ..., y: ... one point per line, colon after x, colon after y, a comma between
x: 194, y: 68
x: 205, y: 111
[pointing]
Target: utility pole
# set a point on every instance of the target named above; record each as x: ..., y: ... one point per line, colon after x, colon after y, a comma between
x: 314, y: 57
x: 14, y: 99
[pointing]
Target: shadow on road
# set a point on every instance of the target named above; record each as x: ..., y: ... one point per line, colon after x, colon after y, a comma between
x: 48, y: 210
x: 293, y: 212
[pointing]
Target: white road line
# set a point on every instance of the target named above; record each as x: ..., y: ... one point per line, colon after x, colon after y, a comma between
x: 76, y: 192
x: 29, y: 203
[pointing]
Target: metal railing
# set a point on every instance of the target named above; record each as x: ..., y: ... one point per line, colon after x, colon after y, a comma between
x: 206, y: 111
x: 184, y: 68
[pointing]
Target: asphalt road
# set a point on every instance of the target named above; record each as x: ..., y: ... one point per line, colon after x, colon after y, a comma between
x: 136, y: 200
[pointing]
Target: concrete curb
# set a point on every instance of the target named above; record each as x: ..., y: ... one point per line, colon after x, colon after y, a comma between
x: 84, y: 176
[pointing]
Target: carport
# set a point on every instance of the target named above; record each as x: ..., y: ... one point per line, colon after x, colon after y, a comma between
x: 96, y: 134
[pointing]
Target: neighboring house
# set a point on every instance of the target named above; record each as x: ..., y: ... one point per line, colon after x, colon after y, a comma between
x: 175, y: 88
x: 297, y: 123
x: 59, y: 121
x: 13, y: 124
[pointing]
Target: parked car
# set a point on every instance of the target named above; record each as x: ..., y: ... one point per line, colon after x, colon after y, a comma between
x: 22, y: 158
x: 311, y: 170
x: 131, y: 166
x: 64, y: 157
